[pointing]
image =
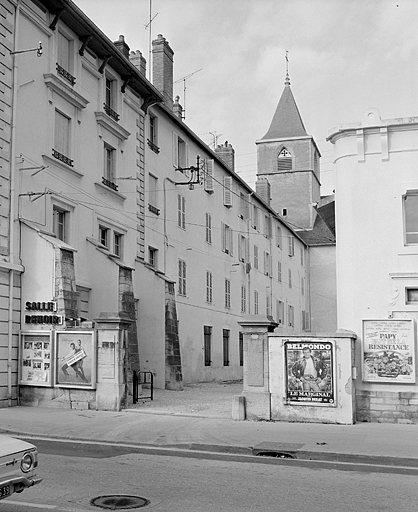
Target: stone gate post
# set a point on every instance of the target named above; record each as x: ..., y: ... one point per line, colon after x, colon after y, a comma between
x: 256, y: 379
x: 111, y: 364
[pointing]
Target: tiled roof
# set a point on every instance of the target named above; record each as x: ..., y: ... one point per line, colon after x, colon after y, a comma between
x: 286, y: 120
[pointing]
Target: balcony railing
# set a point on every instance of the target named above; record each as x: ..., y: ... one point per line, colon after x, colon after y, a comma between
x: 65, y: 74
x: 109, y: 184
x: 110, y: 112
x: 153, y: 146
x: 62, y: 158
x: 153, y: 209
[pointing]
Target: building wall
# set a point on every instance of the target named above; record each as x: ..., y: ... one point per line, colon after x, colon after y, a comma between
x: 47, y: 182
x: 323, y: 289
x: 72, y: 183
x: 376, y: 164
x: 188, y: 243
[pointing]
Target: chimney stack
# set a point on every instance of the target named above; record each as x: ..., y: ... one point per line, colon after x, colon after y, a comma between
x: 122, y: 46
x: 227, y: 153
x: 262, y: 188
x: 138, y: 61
x: 162, y: 69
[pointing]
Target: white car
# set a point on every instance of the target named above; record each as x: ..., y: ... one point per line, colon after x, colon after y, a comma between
x: 18, y: 463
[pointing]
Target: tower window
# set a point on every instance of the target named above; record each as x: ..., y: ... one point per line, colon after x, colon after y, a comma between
x: 284, y: 160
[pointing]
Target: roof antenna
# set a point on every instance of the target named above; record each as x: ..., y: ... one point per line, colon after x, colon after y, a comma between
x: 148, y: 26
x: 287, y: 79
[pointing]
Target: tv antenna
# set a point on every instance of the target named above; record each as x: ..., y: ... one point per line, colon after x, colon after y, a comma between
x: 215, y: 137
x: 184, y: 78
x: 148, y: 26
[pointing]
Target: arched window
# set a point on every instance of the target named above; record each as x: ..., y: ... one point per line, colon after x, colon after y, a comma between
x: 284, y: 160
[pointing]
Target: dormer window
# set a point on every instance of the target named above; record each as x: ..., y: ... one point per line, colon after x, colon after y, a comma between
x: 284, y: 160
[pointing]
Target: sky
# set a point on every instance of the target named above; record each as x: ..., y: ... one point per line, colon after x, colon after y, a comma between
x: 344, y: 57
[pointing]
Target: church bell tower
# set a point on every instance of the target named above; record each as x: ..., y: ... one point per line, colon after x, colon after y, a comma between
x: 289, y: 159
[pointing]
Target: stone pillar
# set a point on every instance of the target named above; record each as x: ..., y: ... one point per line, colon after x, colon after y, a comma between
x: 111, y: 366
x: 256, y: 388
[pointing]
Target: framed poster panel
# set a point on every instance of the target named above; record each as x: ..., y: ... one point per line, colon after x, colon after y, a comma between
x: 35, y: 358
x: 310, y: 372
x: 75, y: 359
x: 388, y: 351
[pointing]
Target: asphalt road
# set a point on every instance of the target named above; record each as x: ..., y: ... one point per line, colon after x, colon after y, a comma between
x: 172, y: 480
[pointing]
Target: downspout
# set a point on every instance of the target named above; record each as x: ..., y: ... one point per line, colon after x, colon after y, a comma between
x: 12, y: 205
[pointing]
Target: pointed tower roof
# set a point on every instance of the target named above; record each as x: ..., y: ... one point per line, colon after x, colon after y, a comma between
x: 286, y: 121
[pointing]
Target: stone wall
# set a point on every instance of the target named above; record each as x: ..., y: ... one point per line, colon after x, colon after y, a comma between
x: 387, y: 407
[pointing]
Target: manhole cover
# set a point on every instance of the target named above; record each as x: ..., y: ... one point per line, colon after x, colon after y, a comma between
x: 119, y: 501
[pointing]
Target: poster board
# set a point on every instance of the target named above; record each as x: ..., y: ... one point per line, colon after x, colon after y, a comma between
x: 310, y: 372
x: 75, y: 359
x: 35, y: 358
x: 388, y: 351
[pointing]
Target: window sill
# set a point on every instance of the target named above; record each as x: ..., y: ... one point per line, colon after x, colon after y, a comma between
x: 58, y: 86
x: 114, y: 193
x: 104, y: 121
x: 54, y: 162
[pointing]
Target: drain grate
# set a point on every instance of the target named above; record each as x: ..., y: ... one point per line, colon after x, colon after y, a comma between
x: 119, y: 501
x: 278, y: 455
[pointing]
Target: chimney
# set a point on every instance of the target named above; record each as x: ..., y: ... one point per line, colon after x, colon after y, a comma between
x: 227, y: 153
x: 138, y: 61
x: 177, y: 108
x: 122, y: 46
x: 262, y: 188
x: 162, y: 69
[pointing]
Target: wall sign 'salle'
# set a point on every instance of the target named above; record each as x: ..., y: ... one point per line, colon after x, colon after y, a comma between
x: 42, y: 313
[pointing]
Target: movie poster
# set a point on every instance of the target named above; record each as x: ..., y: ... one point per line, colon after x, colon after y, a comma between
x: 35, y: 358
x: 388, y: 351
x: 75, y: 359
x: 309, y: 372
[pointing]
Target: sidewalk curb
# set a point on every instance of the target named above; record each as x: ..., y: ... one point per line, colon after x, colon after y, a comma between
x: 299, y: 454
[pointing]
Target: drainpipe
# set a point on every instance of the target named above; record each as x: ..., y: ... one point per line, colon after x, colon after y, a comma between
x: 12, y: 205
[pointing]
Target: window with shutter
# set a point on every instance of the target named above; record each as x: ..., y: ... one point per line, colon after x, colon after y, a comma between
x: 228, y: 293
x: 226, y: 239
x: 243, y: 299
x: 228, y: 191
x: 181, y: 211
x: 208, y: 228
x: 291, y: 245
x: 208, y: 176
x: 279, y: 236
x: 182, y: 278
x: 242, y: 248
x: 209, y: 286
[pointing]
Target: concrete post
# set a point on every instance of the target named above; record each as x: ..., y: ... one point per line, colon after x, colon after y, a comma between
x: 111, y: 368
x: 256, y: 366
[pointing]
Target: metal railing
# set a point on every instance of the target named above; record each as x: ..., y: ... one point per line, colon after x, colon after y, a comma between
x: 141, y: 381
